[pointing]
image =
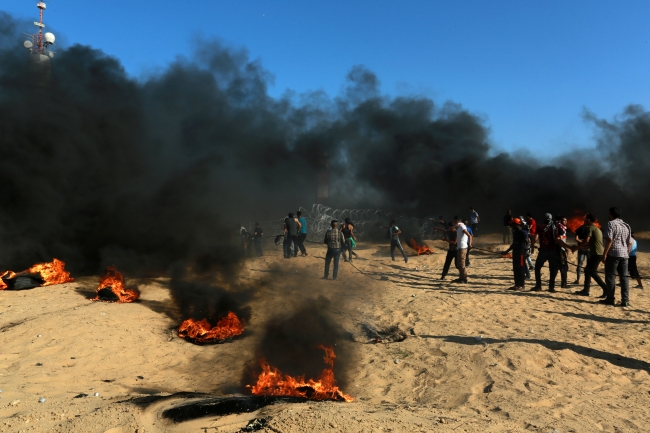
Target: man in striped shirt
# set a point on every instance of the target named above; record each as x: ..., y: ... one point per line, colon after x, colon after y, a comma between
x: 334, y: 240
x: 617, y: 236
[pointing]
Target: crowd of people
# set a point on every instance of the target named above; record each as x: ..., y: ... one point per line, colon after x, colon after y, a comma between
x: 615, y: 247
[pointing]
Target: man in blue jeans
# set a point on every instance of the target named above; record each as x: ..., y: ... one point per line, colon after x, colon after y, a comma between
x: 302, y: 235
x: 618, y: 237
x: 334, y: 240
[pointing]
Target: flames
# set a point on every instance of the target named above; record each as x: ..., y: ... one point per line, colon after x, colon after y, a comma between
x: 421, y: 249
x: 113, y: 281
x: 272, y: 381
x: 202, y: 332
x: 506, y: 256
x: 51, y: 273
x: 578, y: 220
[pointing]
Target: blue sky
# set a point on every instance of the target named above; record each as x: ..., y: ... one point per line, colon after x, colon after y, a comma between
x: 527, y: 67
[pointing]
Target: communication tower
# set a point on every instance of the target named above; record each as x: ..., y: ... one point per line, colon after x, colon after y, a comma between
x: 39, y: 43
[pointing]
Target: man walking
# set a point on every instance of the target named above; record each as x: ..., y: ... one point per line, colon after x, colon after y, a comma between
x: 348, y: 233
x: 583, y: 252
x: 394, y: 232
x: 450, y: 237
x: 463, y: 243
x: 334, y: 241
x: 302, y: 235
x: 563, y: 263
x: 532, y: 234
x: 593, y: 239
x: 507, y: 228
x: 474, y: 219
x: 257, y: 238
x: 617, y: 237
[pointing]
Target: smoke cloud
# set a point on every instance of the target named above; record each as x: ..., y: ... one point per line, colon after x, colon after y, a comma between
x: 100, y: 168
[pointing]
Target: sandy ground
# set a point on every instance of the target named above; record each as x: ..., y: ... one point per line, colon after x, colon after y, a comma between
x: 544, y: 362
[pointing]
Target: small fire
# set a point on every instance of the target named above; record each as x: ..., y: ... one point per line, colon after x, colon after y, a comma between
x: 51, y: 272
x: 7, y: 274
x: 272, y: 381
x: 421, y: 249
x: 202, y: 332
x: 113, y: 281
x: 576, y: 221
x: 506, y: 256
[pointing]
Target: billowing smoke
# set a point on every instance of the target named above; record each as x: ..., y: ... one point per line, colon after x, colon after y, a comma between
x: 100, y: 168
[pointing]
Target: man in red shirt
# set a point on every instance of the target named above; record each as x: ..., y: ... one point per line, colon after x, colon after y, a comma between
x: 550, y: 242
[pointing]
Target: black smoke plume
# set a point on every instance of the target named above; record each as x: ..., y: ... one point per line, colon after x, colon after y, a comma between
x: 99, y: 168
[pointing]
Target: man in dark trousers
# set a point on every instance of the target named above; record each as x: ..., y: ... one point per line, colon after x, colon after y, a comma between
x: 583, y: 251
x: 394, y: 232
x: 334, y: 240
x: 302, y: 235
x: 257, y: 237
x: 450, y: 237
x: 549, y: 245
x: 593, y: 239
x: 519, y: 247
x: 617, y: 237
x: 348, y: 233
x: 474, y: 219
x: 291, y: 228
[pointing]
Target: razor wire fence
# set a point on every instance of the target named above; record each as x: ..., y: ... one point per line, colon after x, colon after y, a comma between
x: 366, y: 222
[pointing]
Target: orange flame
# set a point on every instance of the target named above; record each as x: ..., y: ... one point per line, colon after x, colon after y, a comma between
x: 506, y: 256
x: 114, y: 281
x: 202, y: 332
x: 51, y: 272
x: 421, y: 249
x: 272, y: 381
x: 576, y: 221
x: 7, y: 274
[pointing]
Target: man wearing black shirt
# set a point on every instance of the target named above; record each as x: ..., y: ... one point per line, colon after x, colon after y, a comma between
x: 507, y: 228
x: 518, y: 248
x: 257, y: 238
x: 450, y: 237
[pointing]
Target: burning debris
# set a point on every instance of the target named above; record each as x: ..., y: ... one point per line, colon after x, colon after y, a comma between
x: 111, y: 288
x: 41, y: 274
x: 272, y: 382
x: 202, y: 332
x: 420, y: 249
x: 506, y: 256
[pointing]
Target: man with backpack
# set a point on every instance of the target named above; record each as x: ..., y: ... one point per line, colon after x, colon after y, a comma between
x: 550, y: 242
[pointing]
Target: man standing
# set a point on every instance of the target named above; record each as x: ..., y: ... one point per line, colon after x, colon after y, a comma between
x: 463, y: 243
x: 334, y: 241
x: 618, y: 237
x: 563, y: 263
x: 474, y: 220
x: 593, y: 239
x: 519, y: 247
x: 631, y: 266
x: 291, y: 228
x: 471, y: 233
x: 302, y: 235
x: 549, y: 245
x: 394, y: 233
x: 532, y: 234
x: 450, y: 237
x: 507, y: 228
x: 583, y: 252
x: 348, y: 233
x: 257, y: 237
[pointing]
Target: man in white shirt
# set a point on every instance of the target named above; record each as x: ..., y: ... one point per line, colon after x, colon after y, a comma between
x: 464, y: 242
